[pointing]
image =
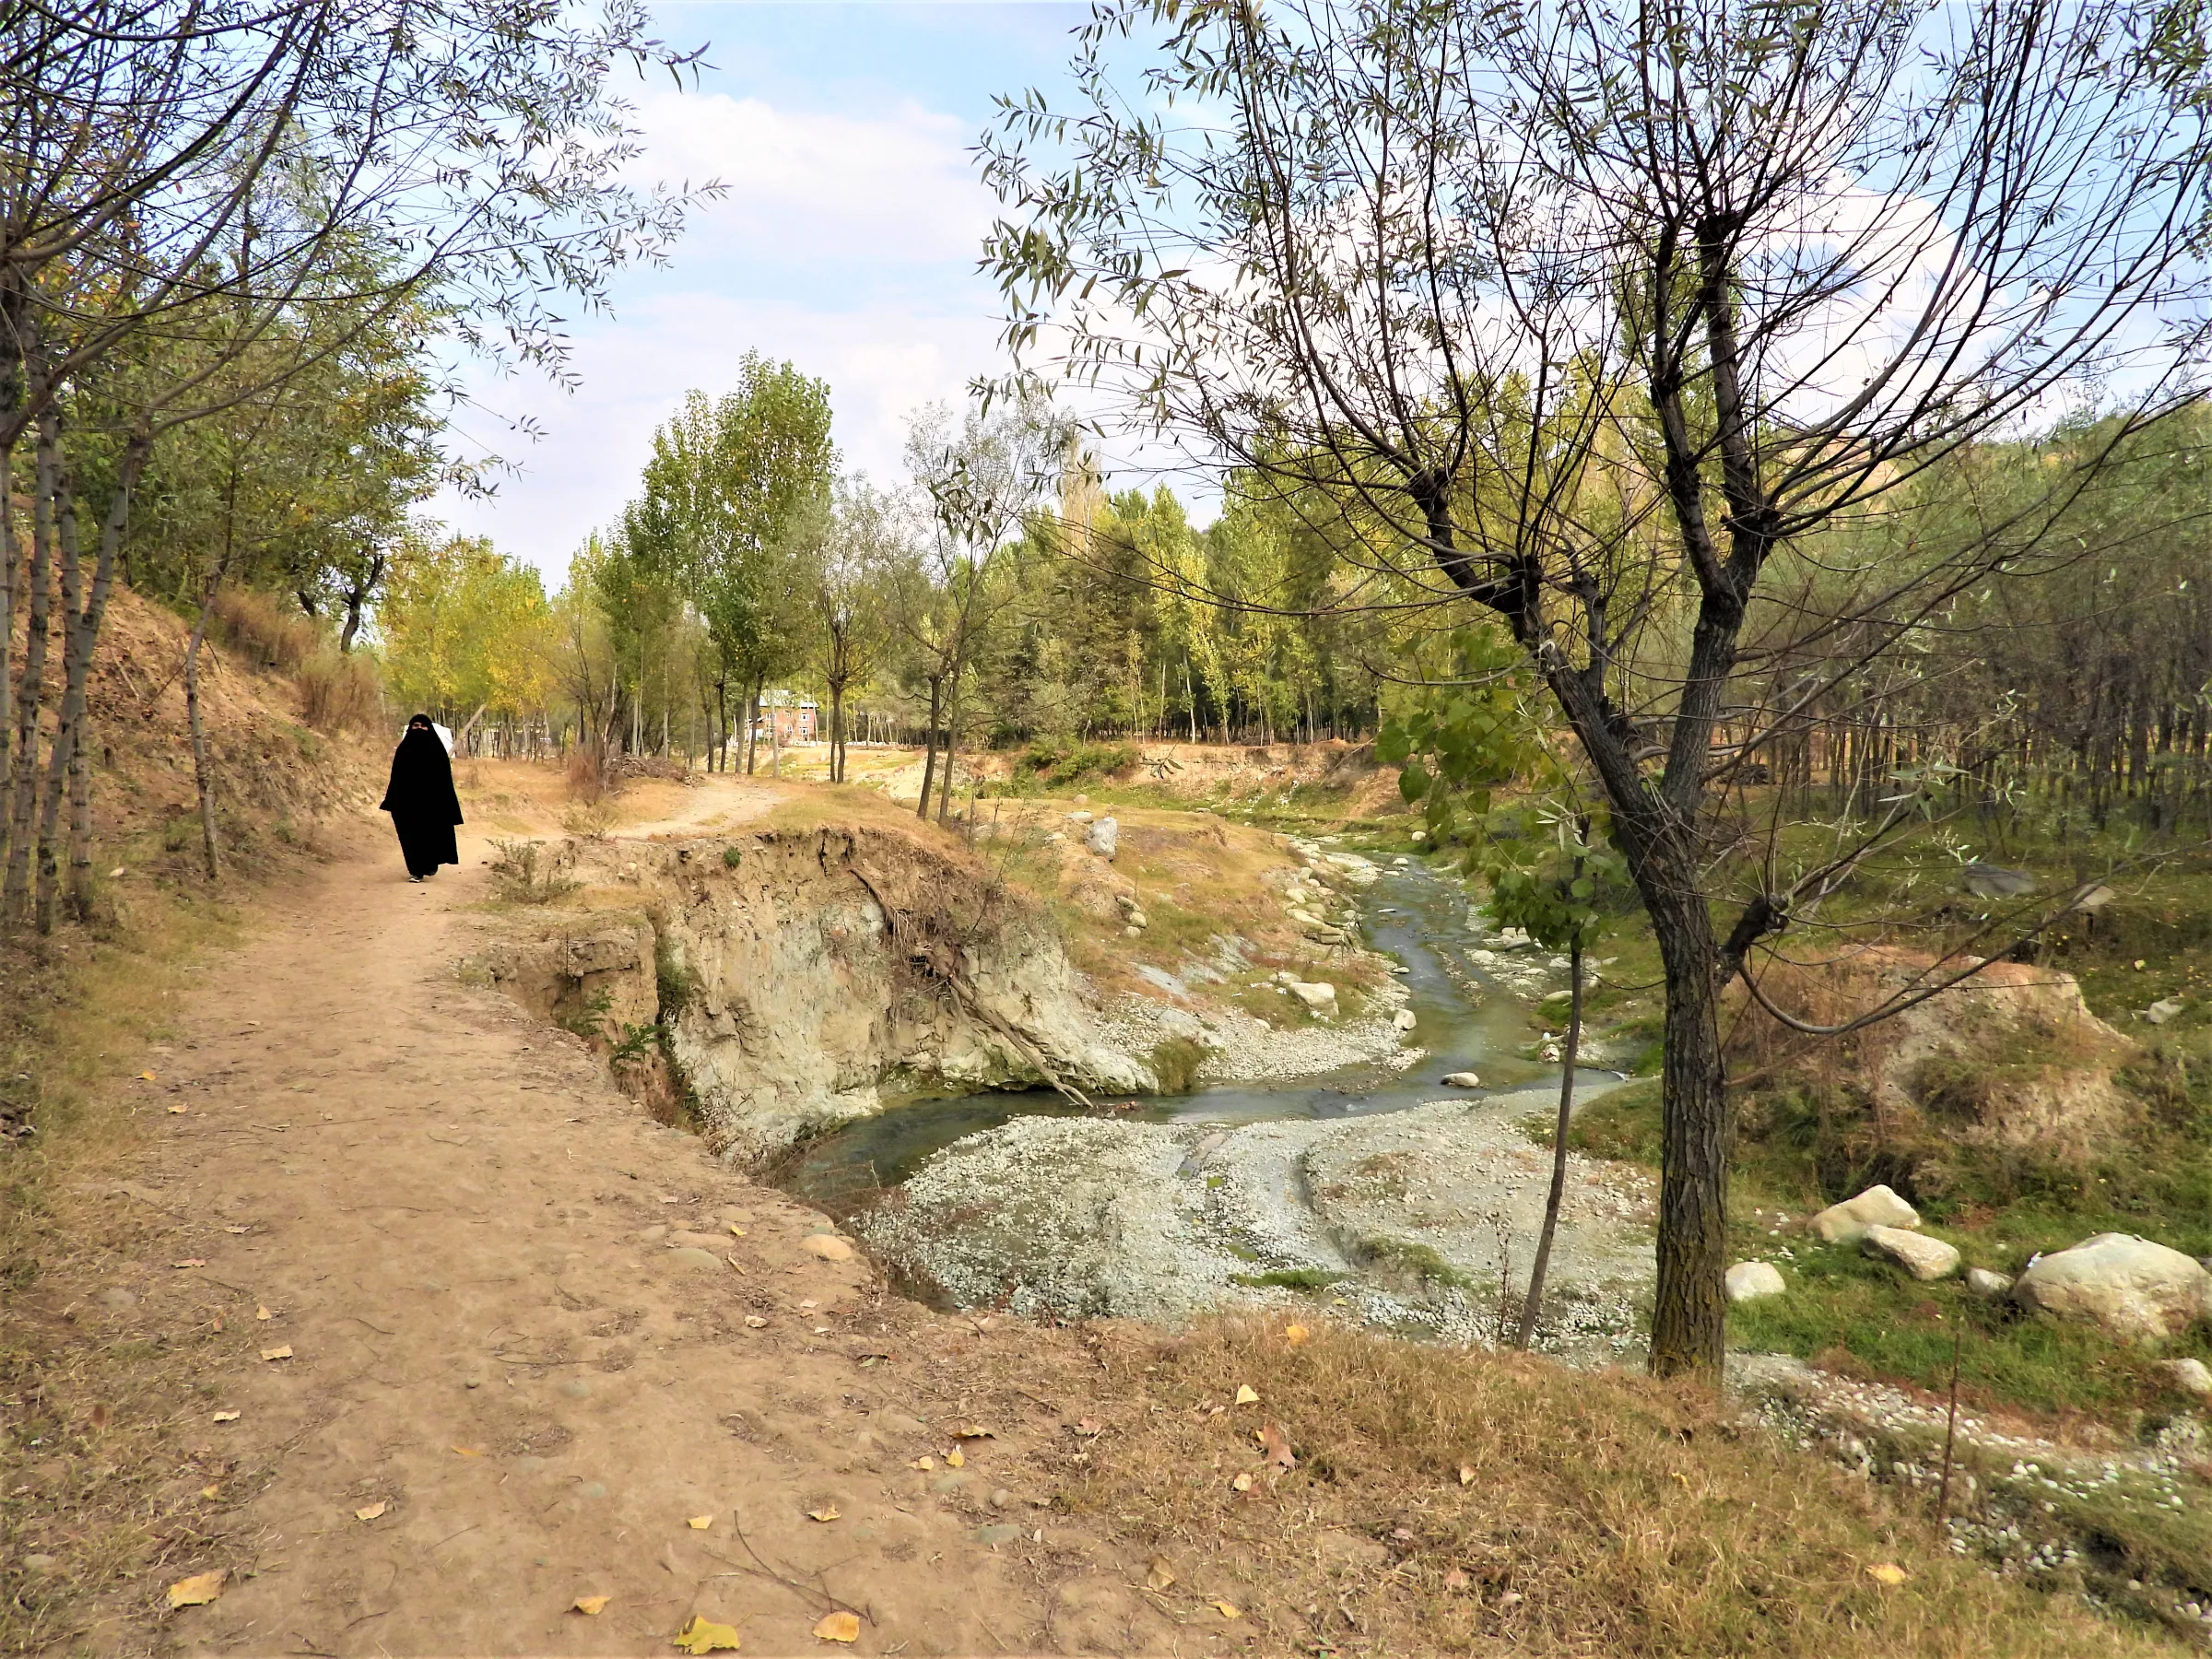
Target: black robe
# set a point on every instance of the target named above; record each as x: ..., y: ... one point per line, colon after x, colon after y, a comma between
x: 421, y: 801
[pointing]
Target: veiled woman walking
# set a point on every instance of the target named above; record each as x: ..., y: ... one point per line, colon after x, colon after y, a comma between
x: 421, y: 801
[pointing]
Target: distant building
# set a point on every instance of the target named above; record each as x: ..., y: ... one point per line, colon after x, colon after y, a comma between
x: 796, y: 718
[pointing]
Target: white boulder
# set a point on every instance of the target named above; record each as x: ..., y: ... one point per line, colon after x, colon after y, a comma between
x: 1103, y: 837
x: 2130, y: 1287
x: 1922, y: 1257
x: 1988, y: 1286
x: 1403, y: 1020
x: 1461, y: 1081
x: 2191, y: 1376
x: 1847, y: 1222
x: 1320, y: 998
x: 1747, y: 1281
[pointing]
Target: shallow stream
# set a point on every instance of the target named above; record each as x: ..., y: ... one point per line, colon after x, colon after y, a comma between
x: 1467, y: 1020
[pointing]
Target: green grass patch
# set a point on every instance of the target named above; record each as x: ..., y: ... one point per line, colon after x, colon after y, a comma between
x: 1288, y: 1279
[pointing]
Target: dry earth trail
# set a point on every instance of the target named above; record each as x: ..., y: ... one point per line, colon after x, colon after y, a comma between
x: 504, y: 1383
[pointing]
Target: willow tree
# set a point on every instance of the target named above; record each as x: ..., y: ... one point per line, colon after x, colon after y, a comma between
x: 1598, y: 314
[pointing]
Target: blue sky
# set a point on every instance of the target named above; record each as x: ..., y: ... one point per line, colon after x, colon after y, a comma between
x: 847, y: 244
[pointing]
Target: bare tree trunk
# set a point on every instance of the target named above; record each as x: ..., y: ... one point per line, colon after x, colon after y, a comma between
x: 1690, y: 1317
x: 1532, y: 1304
x: 752, y: 724
x: 202, y: 772
x: 952, y: 743
x: 14, y: 894
x: 10, y: 564
x: 929, y: 751
x: 837, y: 731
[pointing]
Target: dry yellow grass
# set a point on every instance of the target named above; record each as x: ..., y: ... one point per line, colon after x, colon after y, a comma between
x: 1446, y: 1503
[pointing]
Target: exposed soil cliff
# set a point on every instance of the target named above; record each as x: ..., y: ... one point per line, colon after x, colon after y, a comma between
x: 801, y: 979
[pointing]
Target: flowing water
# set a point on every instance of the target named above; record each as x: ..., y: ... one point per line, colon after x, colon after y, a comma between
x: 1467, y: 1021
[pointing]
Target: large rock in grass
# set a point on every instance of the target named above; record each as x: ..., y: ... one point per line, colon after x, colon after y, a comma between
x: 1747, y: 1281
x: 1847, y: 1222
x: 2129, y: 1288
x: 1922, y: 1257
x: 1103, y: 837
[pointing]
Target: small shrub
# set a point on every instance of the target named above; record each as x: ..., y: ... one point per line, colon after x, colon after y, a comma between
x: 1289, y: 1279
x: 591, y: 820
x: 272, y: 631
x: 1175, y: 1062
x: 523, y: 874
x: 589, y: 778
x: 674, y: 982
x: 340, y: 692
x: 731, y: 857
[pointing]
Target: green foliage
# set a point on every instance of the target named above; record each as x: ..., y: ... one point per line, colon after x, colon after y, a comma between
x: 523, y: 874
x: 465, y: 627
x: 1057, y: 763
x: 1288, y: 1279
x: 1175, y: 1063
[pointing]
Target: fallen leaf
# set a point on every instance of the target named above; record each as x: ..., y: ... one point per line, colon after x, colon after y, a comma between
x: 955, y: 1459
x: 1455, y: 1580
x: 1276, y: 1446
x: 467, y: 1452
x: 263, y: 1314
x: 973, y: 1433
x: 190, y: 1262
x: 1466, y: 1474
x: 736, y: 1231
x: 199, y: 1591
x: 370, y: 1511
x: 838, y: 1627
x: 703, y: 1636
x: 218, y: 1322
x: 926, y: 1463
x: 211, y: 1491
x: 238, y: 1229
x: 179, y: 1110
x: 1090, y: 1427
x: 700, y: 1522
x: 1243, y: 1483
x: 1158, y: 1575
x: 1295, y: 1334
x: 226, y: 1416
x: 755, y: 1320
x: 592, y: 1605
x: 1228, y: 1609
x: 145, y: 1077
x: 1886, y: 1573
x: 828, y: 1512
x: 1245, y: 1396
x: 284, y: 1352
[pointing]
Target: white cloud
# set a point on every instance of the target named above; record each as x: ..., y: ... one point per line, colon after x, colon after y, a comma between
x: 896, y: 186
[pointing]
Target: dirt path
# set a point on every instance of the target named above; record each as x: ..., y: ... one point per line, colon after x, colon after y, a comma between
x: 526, y: 1336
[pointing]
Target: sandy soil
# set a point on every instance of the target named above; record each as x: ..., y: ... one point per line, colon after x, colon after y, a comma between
x: 518, y: 1336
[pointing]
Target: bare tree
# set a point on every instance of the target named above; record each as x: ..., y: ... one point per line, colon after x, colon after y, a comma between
x: 1606, y: 321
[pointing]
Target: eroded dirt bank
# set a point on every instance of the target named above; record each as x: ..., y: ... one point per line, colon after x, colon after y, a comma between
x: 805, y: 978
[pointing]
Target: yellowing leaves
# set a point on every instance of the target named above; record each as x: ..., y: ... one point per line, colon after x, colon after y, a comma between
x: 190, y: 1262
x: 1243, y: 1483
x: 283, y: 1352
x: 263, y: 1314
x: 973, y: 1433
x: 957, y: 1458
x: 704, y: 1636
x: 370, y: 1512
x: 466, y: 1452
x: 1246, y: 1395
x: 837, y: 1627
x: 226, y: 1416
x: 1158, y: 1575
x: 199, y: 1589
x: 1888, y: 1574
x: 1466, y: 1474
x: 828, y: 1512
x: 1276, y: 1446
x: 591, y: 1606
x: 1229, y: 1609
x: 700, y: 1522
x: 926, y: 1463
x: 1295, y: 1334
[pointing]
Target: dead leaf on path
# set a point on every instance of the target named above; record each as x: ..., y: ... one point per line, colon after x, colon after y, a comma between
x: 736, y: 1231
x: 1295, y: 1334
x: 180, y: 1111
x: 145, y: 1077
x: 226, y: 1416
x: 1466, y: 1474
x: 755, y: 1320
x: 926, y: 1463
x: 1276, y: 1446
x: 199, y: 1591
x: 1160, y: 1575
x: 700, y: 1522
x: 955, y: 1458
x: 838, y: 1627
x: 1229, y: 1609
x: 704, y: 1636
x: 592, y: 1606
x: 1886, y: 1573
x: 284, y: 1352
x: 1090, y: 1427
x: 1455, y: 1580
x: 238, y: 1229
x: 211, y: 1491
x: 1243, y: 1483
x: 263, y: 1314
x: 973, y: 1433
x: 190, y: 1262
x: 1245, y: 1396
x: 370, y: 1511
x: 467, y: 1452
x: 828, y: 1512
